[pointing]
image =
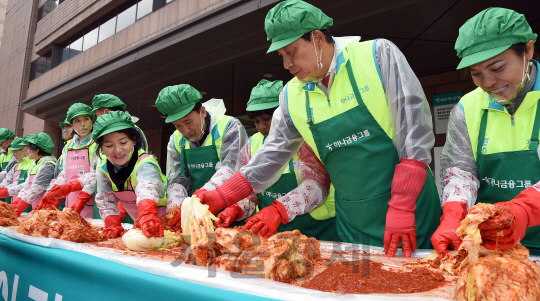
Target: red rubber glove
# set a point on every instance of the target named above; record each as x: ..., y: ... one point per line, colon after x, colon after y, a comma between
x: 3, y: 193
x: 81, y: 201
x: 61, y: 191
x: 523, y: 212
x: 233, y: 190
x: 147, y: 218
x: 19, y: 205
x: 228, y: 216
x: 445, y: 238
x: 409, y: 179
x: 266, y: 221
x: 123, y: 212
x: 198, y: 192
x: 113, y: 227
x: 48, y: 203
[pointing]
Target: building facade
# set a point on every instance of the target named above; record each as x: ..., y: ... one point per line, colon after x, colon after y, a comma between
x: 57, y: 52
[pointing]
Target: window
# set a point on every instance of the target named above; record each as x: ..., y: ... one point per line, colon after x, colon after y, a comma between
x: 126, y: 18
x: 107, y: 29
x: 40, y: 66
x: 90, y: 39
x: 46, y: 8
x: 75, y: 47
x: 144, y: 7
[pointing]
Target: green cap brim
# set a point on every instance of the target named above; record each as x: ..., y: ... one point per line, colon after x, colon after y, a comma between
x: 481, y: 56
x: 82, y: 113
x: 282, y: 43
x: 2, y: 140
x: 61, y: 124
x: 263, y: 106
x: 178, y: 115
x: 16, y: 147
x: 116, y: 128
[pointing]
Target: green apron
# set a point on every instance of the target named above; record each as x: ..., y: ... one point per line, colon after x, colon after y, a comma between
x: 200, y: 162
x: 62, y: 204
x: 516, y: 167
x: 322, y: 230
x: 362, y: 174
x: 3, y: 165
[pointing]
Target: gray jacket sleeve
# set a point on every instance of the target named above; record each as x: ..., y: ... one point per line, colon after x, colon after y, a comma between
x: 409, y: 111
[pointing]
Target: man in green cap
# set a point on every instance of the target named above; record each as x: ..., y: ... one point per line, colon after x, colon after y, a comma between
x: 362, y: 110
x: 491, y: 151
x: 297, y: 199
x: 204, y: 151
x: 105, y: 103
x: 6, y: 137
x: 40, y: 147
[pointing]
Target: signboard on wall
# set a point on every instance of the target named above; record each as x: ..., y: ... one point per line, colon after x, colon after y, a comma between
x: 439, y: 173
x: 442, y: 105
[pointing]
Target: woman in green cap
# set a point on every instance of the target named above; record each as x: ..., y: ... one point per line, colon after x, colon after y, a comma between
x: 293, y: 201
x: 362, y: 110
x: 6, y: 137
x: 77, y: 181
x: 40, y: 147
x: 127, y: 176
x: 204, y: 151
x: 105, y: 103
x: 491, y: 151
x: 11, y: 184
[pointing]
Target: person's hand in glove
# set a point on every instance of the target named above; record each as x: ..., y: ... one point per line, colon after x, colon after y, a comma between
x: 198, y: 192
x: 176, y: 222
x: 507, y: 230
x: 147, y: 218
x: 49, y: 202
x: 81, y: 201
x: 230, y: 192
x: 445, y: 238
x: 123, y: 212
x: 409, y: 179
x: 113, y: 227
x: 266, y: 221
x: 3, y: 193
x: 61, y: 191
x: 228, y: 216
x: 19, y: 205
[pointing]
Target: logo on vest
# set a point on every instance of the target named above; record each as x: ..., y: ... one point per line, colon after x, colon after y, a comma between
x: 348, y: 140
x: 484, y: 147
x: 77, y: 158
x: 273, y: 195
x: 507, y: 184
x: 201, y: 165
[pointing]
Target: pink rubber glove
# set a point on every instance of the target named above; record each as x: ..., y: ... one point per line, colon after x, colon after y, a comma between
x: 445, y: 238
x: 409, y: 179
x: 230, y: 192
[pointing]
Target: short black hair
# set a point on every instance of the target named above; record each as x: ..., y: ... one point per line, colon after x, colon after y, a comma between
x: 197, y: 107
x: 34, y: 147
x: 132, y: 134
x: 116, y: 109
x: 327, y: 36
x: 253, y: 114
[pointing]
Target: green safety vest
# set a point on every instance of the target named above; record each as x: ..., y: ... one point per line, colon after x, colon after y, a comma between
x: 201, y: 162
x: 132, y: 179
x: 5, y: 158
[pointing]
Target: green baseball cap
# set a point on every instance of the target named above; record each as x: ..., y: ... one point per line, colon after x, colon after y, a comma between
x: 107, y: 101
x: 265, y: 95
x: 18, y: 143
x: 177, y: 101
x: 5, y: 134
x: 289, y: 20
x: 112, y: 122
x: 42, y: 140
x: 489, y: 33
x: 78, y: 109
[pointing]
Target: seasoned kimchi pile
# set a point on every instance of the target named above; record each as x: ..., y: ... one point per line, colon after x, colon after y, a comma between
x: 8, y: 216
x: 283, y: 257
x: 66, y: 225
x: 488, y: 274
